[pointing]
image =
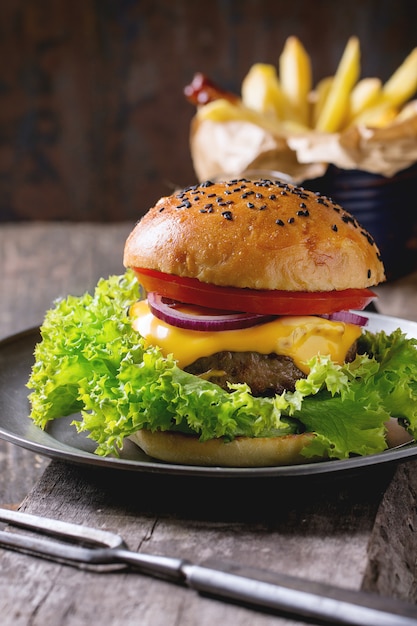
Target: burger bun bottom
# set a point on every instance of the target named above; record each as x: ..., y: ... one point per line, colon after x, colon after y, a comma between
x: 173, y: 447
x: 183, y: 449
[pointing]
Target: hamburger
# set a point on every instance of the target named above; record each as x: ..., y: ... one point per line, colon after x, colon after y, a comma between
x: 235, y: 338
x: 259, y: 261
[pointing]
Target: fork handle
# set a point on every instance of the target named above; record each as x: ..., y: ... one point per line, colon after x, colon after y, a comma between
x: 298, y: 597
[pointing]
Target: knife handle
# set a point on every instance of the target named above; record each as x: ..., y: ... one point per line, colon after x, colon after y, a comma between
x: 299, y: 597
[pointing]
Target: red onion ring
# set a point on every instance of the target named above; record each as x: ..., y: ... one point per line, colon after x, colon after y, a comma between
x: 165, y: 310
x: 348, y: 317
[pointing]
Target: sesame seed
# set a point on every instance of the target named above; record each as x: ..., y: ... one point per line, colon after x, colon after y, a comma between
x: 291, y: 220
x: 334, y: 227
x: 184, y: 205
x: 250, y: 205
x: 227, y: 215
x: 279, y: 222
x: 368, y: 237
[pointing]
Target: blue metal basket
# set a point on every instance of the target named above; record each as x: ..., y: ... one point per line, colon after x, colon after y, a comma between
x: 386, y: 207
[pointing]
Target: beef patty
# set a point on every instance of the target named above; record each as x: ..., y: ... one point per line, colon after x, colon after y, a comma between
x: 266, y: 374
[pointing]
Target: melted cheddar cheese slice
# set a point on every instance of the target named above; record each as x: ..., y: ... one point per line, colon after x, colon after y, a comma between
x: 298, y: 337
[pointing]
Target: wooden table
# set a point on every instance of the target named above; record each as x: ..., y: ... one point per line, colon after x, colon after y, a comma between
x: 355, y: 531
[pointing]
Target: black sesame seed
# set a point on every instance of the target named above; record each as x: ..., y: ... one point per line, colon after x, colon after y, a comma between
x: 161, y: 209
x: 272, y: 196
x: 207, y: 183
x: 208, y: 206
x: 291, y: 220
x: 303, y: 213
x: 227, y: 215
x: 262, y: 207
x: 284, y: 193
x: 303, y: 205
x: 368, y: 237
x: 250, y: 205
x: 348, y: 219
x: 334, y: 227
x: 211, y: 195
x: 258, y: 195
x: 279, y: 222
x: 369, y: 273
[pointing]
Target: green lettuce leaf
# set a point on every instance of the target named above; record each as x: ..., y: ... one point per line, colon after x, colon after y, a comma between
x: 90, y: 361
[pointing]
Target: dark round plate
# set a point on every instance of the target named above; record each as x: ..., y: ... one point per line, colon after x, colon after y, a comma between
x: 61, y: 441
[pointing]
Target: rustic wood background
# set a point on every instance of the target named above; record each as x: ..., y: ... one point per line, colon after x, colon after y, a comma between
x: 93, y: 121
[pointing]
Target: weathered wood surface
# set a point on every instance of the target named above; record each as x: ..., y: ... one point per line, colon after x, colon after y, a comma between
x: 356, y: 531
x: 39, y: 264
x: 321, y: 531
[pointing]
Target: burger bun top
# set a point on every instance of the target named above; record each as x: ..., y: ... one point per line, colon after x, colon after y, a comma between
x: 259, y: 234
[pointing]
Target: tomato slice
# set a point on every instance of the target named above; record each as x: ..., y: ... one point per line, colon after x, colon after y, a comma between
x: 262, y: 301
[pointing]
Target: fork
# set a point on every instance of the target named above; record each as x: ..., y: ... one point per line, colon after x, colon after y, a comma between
x: 82, y: 546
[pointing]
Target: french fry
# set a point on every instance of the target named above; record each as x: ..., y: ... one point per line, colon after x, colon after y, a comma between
x: 261, y: 91
x: 284, y: 102
x: 222, y: 110
x: 336, y: 106
x: 364, y: 95
x: 409, y: 110
x: 377, y: 116
x: 318, y: 98
x: 225, y: 111
x: 403, y: 83
x: 295, y: 78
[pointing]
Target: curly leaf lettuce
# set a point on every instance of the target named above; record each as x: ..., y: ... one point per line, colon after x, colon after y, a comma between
x: 91, y: 361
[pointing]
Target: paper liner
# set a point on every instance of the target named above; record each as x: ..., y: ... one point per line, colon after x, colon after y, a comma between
x: 232, y: 147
